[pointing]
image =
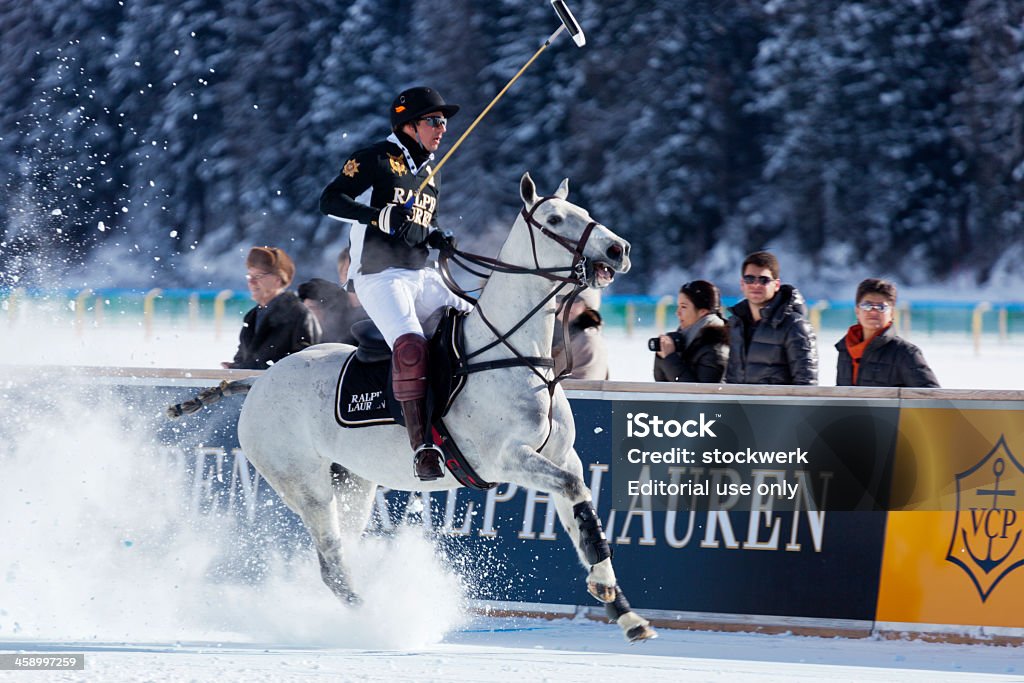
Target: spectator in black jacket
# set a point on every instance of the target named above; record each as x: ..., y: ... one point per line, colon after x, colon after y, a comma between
x: 699, y: 350
x: 279, y: 324
x: 870, y: 354
x: 770, y: 339
x: 328, y: 303
x: 335, y: 308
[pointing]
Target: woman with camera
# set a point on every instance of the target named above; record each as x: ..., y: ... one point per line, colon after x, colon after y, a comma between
x: 699, y: 350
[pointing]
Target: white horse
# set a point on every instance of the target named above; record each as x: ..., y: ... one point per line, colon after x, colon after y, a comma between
x: 513, y: 424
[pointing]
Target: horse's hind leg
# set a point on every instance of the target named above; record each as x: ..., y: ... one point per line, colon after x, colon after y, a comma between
x: 355, y: 498
x: 322, y: 521
x: 314, y: 500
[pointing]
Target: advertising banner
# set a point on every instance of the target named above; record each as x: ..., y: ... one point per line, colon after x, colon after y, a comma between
x: 741, y: 560
x: 798, y: 528
x: 955, y: 554
x: 779, y: 496
x: 753, y: 556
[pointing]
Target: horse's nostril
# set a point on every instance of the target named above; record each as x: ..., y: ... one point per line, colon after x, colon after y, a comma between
x: 615, y: 252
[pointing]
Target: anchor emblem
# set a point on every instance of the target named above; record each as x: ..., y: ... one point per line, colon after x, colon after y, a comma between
x: 987, y: 532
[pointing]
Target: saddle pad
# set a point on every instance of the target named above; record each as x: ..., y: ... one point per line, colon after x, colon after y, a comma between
x: 360, y: 400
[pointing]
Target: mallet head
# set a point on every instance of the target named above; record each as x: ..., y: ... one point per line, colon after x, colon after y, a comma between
x: 569, y: 21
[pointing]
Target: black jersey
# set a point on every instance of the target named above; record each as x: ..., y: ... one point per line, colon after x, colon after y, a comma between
x: 374, y: 176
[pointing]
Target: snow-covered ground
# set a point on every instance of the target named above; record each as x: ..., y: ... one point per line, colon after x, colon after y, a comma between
x: 521, y: 650
x: 98, y: 556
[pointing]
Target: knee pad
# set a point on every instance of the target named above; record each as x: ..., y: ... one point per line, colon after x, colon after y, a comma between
x: 592, y: 541
x: 409, y: 367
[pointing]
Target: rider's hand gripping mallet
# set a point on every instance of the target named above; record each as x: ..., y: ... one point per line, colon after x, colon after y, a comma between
x: 568, y: 22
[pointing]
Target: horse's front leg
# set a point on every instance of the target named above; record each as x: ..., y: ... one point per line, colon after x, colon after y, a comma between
x: 573, y: 503
x: 576, y: 512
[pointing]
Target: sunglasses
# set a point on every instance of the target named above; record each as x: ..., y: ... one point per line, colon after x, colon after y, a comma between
x: 435, y: 121
x: 762, y: 280
x: 256, y: 278
x: 869, y: 306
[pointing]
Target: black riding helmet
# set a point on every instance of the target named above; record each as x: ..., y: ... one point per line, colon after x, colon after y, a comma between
x: 415, y: 102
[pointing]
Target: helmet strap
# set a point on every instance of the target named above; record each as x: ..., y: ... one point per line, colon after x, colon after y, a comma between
x: 416, y: 135
x: 414, y: 145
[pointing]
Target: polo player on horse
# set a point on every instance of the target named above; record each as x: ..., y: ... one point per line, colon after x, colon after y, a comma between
x: 393, y: 227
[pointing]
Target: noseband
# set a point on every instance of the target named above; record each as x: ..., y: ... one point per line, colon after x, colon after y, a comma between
x: 579, y: 261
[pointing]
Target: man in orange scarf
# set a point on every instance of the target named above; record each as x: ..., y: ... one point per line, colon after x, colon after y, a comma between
x: 871, y: 354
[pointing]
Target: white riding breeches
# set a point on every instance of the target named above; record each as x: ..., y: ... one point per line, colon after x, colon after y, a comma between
x: 398, y: 300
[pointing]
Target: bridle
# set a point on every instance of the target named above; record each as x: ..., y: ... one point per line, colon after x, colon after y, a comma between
x: 574, y: 275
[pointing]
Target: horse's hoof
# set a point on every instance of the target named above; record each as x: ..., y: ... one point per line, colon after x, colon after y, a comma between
x: 601, y: 592
x: 640, y: 633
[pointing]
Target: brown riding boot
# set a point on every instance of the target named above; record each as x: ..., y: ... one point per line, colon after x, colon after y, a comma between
x: 409, y: 378
x: 426, y: 463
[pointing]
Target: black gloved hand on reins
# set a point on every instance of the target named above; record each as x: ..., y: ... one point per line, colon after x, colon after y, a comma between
x: 442, y: 240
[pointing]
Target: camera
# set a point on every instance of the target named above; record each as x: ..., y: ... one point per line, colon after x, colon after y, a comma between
x: 654, y: 343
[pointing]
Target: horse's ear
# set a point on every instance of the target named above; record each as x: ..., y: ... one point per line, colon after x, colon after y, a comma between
x: 563, y: 190
x: 527, y: 190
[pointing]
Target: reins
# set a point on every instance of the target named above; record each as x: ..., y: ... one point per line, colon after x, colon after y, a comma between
x: 575, y: 275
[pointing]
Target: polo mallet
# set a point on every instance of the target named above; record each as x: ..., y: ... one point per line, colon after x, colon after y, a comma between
x: 568, y: 22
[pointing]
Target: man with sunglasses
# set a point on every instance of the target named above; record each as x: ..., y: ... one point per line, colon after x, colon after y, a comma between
x: 393, y: 226
x: 770, y: 339
x: 870, y: 353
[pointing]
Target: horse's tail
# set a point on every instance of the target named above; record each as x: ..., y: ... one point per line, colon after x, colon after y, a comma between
x: 211, y: 395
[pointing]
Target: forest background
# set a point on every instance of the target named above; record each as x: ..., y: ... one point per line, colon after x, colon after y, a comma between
x: 152, y: 142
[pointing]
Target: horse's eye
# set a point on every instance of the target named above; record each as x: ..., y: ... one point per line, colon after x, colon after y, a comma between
x: 554, y: 220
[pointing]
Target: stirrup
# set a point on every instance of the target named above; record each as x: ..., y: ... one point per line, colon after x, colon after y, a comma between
x: 426, y: 462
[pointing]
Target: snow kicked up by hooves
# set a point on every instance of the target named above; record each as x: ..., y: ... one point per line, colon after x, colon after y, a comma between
x: 100, y: 543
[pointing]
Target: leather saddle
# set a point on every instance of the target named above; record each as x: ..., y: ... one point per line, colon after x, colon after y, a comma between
x: 364, y: 396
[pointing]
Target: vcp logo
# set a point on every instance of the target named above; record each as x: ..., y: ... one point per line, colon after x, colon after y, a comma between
x: 987, y: 541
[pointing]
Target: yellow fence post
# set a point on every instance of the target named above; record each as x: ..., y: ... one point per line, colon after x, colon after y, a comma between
x: 659, y: 312
x: 147, y: 310
x: 1004, y: 326
x: 816, y: 310
x: 218, y: 311
x: 976, y: 324
x: 630, y: 317
x: 80, y: 310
